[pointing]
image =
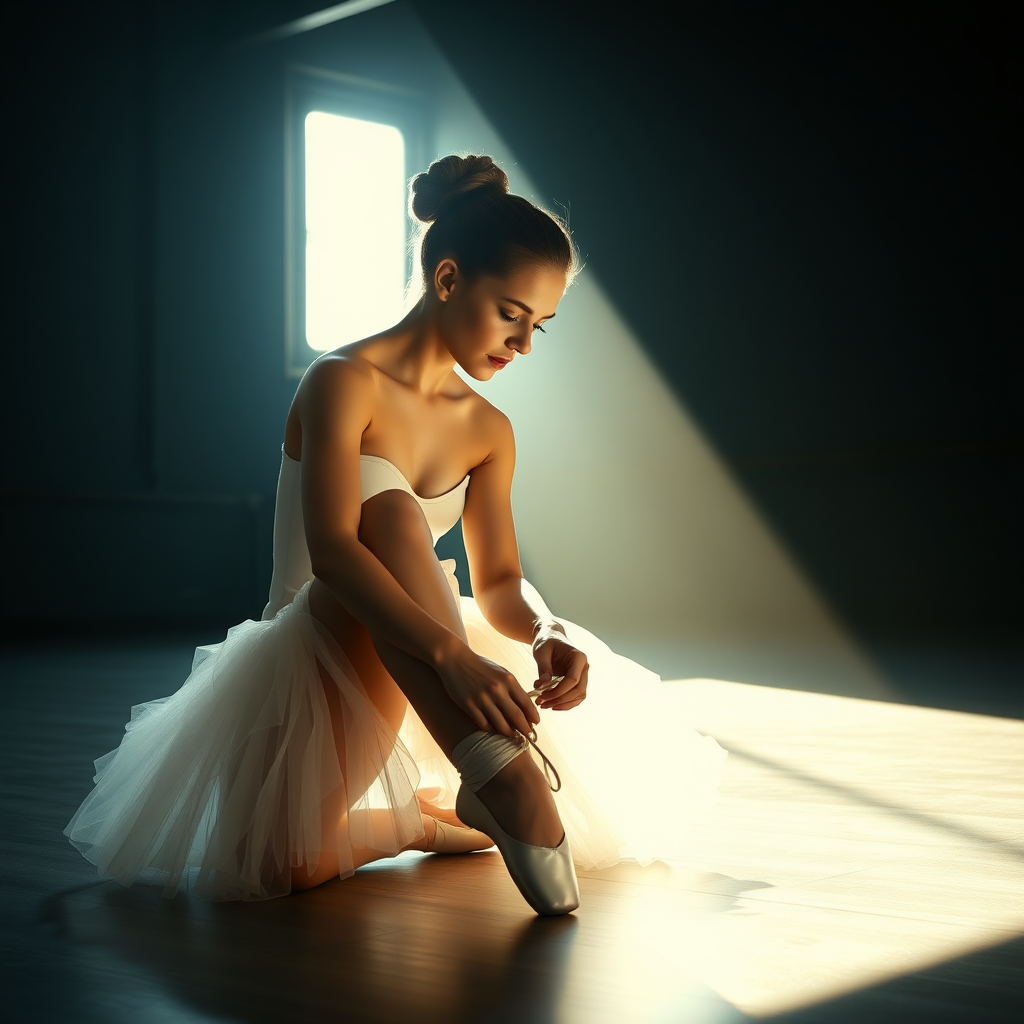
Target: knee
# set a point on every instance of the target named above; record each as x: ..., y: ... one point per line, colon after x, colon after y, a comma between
x: 392, y: 516
x: 303, y: 879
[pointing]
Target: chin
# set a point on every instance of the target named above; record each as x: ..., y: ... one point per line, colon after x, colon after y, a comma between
x: 481, y: 375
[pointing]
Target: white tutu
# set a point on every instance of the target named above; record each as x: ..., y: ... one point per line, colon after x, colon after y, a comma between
x: 217, y: 789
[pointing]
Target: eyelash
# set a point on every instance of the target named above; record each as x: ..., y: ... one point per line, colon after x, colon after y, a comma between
x: 515, y: 320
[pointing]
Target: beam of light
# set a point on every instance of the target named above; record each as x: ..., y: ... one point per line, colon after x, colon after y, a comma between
x: 629, y: 523
x: 355, y: 228
x: 308, y: 23
x: 815, y: 878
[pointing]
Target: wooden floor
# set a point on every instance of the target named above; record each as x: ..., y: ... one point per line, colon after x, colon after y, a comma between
x: 865, y: 863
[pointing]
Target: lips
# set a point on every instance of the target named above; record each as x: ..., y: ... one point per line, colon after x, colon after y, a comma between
x: 497, y: 362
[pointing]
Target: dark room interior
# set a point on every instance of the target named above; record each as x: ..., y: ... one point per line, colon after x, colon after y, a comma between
x: 800, y: 229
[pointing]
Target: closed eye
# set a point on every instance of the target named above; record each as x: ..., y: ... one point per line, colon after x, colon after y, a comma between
x: 515, y: 319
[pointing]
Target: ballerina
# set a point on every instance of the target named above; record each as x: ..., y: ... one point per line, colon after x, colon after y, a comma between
x: 373, y: 709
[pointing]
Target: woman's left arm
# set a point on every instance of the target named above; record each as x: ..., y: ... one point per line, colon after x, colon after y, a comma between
x: 510, y: 603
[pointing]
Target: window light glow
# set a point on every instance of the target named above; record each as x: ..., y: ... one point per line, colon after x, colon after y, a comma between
x: 355, y: 228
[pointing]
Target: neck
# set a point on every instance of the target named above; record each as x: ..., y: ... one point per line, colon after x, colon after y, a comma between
x: 415, y: 355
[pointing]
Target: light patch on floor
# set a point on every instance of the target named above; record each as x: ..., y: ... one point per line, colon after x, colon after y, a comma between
x: 855, y: 843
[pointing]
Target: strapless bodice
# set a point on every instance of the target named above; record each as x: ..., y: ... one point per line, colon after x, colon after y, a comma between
x: 292, y: 568
x: 378, y: 474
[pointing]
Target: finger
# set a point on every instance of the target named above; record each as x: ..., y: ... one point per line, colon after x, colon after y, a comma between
x: 556, y: 693
x: 545, y: 686
x: 576, y: 669
x: 520, y: 705
x: 496, y: 720
x: 515, y: 717
x: 567, y: 705
x: 559, y: 703
x: 577, y: 693
x: 522, y: 700
x: 584, y: 680
x: 542, y: 655
x: 479, y: 719
x: 578, y: 696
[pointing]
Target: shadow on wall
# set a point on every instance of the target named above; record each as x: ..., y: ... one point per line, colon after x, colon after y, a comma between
x: 628, y: 522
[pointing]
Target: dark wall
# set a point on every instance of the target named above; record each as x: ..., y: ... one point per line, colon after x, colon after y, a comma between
x: 74, y: 252
x: 808, y: 213
x: 144, y: 387
x: 124, y: 386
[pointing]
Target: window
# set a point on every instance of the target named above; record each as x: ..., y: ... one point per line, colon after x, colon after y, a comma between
x: 355, y: 228
x: 348, y: 232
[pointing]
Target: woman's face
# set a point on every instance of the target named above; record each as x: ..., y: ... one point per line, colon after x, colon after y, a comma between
x: 489, y: 322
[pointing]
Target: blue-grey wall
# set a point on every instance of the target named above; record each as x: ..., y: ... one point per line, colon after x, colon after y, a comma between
x: 809, y: 214
x: 145, y: 387
x: 804, y: 211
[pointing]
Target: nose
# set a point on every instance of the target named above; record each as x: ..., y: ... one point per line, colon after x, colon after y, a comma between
x: 521, y: 345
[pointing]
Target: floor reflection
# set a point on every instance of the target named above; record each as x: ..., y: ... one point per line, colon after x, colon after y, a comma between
x: 368, y: 948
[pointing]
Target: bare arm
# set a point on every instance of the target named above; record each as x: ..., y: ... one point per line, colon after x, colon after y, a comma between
x: 514, y: 607
x: 506, y: 599
x: 335, y: 407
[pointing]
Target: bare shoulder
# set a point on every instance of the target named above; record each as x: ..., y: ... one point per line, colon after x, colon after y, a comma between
x: 336, y: 373
x: 492, y: 427
x: 335, y: 381
x: 336, y: 396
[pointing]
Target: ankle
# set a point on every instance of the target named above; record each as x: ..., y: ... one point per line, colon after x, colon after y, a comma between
x: 519, y: 774
x: 426, y: 841
x: 520, y: 799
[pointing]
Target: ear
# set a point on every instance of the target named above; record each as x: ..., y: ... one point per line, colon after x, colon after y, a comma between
x: 446, y: 273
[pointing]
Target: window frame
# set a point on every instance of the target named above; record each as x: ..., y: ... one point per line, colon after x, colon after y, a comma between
x: 314, y: 89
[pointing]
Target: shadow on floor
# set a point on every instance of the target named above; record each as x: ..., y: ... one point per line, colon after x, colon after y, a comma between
x: 351, y: 950
x: 978, y: 988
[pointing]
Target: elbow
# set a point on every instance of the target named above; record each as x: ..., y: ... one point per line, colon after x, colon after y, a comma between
x: 320, y: 565
x: 328, y: 557
x: 487, y: 592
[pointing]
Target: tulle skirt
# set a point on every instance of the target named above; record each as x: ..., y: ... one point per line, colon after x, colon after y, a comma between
x: 218, y: 789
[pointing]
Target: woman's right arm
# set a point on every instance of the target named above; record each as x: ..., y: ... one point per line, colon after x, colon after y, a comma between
x: 335, y: 407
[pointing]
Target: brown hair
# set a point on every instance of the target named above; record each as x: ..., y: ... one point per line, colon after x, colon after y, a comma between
x: 471, y: 217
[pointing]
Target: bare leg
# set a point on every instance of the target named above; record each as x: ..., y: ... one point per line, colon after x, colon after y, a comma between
x: 328, y: 866
x: 388, y: 699
x: 335, y: 807
x: 394, y: 529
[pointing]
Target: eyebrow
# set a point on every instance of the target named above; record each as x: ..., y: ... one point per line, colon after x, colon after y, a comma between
x: 526, y: 309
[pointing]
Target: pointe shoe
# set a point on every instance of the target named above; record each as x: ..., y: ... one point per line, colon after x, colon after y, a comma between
x: 453, y: 839
x: 544, y: 875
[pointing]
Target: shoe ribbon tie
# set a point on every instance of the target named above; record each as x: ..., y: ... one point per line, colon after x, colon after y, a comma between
x: 481, y: 755
x: 549, y: 768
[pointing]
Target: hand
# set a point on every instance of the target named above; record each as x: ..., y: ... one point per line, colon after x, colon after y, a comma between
x: 489, y: 694
x: 556, y: 657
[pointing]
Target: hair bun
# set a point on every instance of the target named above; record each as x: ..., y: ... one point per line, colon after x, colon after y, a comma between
x: 451, y: 177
